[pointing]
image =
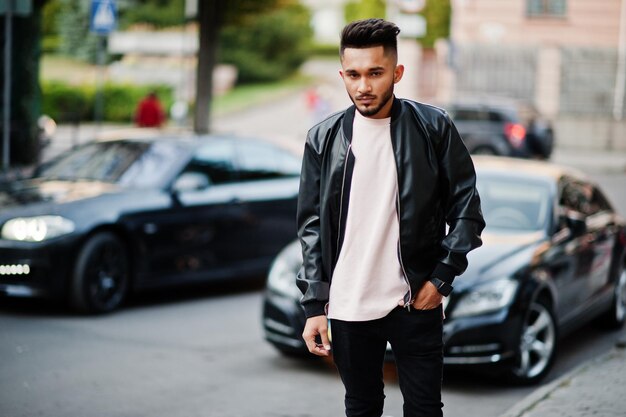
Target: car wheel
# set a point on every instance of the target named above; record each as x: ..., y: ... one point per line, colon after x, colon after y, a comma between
x: 101, y: 274
x: 616, y: 316
x: 484, y: 150
x: 537, y: 345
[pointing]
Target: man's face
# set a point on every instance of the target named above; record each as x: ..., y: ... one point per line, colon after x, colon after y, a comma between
x: 369, y: 75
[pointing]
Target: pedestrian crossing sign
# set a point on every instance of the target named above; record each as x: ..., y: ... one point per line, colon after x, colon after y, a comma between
x: 103, y: 16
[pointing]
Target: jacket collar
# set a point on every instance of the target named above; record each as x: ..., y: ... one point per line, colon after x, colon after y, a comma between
x: 348, y: 118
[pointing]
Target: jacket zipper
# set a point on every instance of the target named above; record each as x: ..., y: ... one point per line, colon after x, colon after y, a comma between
x: 343, y: 186
x: 407, y: 304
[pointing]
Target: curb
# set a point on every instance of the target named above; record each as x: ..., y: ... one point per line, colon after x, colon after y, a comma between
x: 543, y: 393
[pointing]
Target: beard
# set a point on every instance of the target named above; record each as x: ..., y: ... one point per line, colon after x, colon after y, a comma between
x: 373, y: 109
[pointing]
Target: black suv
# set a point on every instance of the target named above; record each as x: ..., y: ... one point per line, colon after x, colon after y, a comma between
x: 508, y: 129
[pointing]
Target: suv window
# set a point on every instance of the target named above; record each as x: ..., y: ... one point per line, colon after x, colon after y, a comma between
x: 470, y: 115
x: 476, y: 115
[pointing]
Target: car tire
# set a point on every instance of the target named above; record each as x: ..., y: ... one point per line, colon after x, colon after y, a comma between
x: 101, y: 275
x: 537, y: 345
x: 615, y: 317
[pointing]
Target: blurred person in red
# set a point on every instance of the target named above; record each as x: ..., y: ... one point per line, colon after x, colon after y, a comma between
x: 149, y: 111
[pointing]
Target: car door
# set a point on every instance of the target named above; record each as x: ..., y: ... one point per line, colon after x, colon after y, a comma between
x: 197, y: 236
x: 576, y: 248
x: 268, y: 194
x: 603, y: 233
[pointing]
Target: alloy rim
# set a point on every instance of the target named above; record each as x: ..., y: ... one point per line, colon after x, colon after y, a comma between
x: 537, y: 342
x: 106, y: 274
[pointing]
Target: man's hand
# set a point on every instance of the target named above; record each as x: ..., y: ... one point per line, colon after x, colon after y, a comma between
x: 427, y: 298
x: 317, y: 325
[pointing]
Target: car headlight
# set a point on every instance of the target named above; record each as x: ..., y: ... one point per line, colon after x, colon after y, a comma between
x: 36, y: 229
x: 486, y: 298
x: 282, y: 275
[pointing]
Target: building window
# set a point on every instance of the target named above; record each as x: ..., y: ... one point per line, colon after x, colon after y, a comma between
x: 546, y: 8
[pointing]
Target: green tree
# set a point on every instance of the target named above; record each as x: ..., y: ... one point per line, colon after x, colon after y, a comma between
x: 49, y: 25
x: 364, y: 9
x: 269, y: 46
x: 158, y: 13
x: 73, y: 25
x: 437, y: 14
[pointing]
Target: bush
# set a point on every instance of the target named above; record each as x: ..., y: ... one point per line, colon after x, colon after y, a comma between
x: 68, y: 103
x: 268, y: 47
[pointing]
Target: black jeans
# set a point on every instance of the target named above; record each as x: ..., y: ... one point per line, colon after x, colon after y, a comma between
x: 416, y: 338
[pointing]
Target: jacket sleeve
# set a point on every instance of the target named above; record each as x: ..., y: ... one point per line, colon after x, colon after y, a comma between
x: 311, y: 279
x: 461, y: 204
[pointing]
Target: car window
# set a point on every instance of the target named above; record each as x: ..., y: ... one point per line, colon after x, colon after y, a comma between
x: 151, y: 167
x: 98, y: 161
x: 258, y: 161
x: 215, y: 161
x: 514, y: 204
x: 577, y: 196
x: 583, y: 197
x: 495, y: 116
x: 599, y: 202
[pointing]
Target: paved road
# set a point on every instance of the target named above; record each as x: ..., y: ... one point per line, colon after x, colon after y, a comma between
x: 198, y: 353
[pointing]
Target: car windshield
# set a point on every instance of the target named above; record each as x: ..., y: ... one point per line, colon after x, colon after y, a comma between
x: 128, y: 163
x: 519, y: 204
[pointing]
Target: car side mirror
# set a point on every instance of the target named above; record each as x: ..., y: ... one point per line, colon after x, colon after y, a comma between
x: 191, y: 181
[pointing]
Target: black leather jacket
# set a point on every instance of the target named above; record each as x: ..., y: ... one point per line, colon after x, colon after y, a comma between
x: 436, y: 185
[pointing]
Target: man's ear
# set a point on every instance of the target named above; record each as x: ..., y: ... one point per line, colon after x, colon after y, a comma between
x: 398, y: 72
x: 341, y: 74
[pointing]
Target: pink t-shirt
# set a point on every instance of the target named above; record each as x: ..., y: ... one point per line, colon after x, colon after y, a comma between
x: 367, y: 282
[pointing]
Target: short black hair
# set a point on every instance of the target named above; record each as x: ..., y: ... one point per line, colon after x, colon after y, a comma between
x: 368, y: 33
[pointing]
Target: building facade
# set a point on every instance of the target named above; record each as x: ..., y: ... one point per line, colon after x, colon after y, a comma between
x: 560, y: 55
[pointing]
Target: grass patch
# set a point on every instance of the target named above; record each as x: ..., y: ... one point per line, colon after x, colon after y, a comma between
x: 54, y: 67
x: 248, y: 95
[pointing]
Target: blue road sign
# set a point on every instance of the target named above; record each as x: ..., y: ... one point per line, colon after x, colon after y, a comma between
x: 103, y: 16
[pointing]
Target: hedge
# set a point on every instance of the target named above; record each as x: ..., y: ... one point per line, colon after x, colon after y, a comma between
x: 73, y: 103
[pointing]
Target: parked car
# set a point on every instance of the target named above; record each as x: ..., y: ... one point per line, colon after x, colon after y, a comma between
x: 553, y: 259
x: 113, y: 216
x: 503, y: 128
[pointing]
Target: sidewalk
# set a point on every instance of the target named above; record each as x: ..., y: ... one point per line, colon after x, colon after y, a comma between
x: 592, y: 161
x: 596, y: 388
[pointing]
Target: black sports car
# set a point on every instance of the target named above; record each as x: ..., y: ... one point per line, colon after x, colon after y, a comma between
x: 553, y: 258
x: 113, y: 216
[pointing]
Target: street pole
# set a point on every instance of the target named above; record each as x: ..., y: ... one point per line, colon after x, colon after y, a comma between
x: 99, y: 104
x: 6, y: 125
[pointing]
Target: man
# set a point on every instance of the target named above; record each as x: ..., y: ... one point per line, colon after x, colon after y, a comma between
x: 379, y: 182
